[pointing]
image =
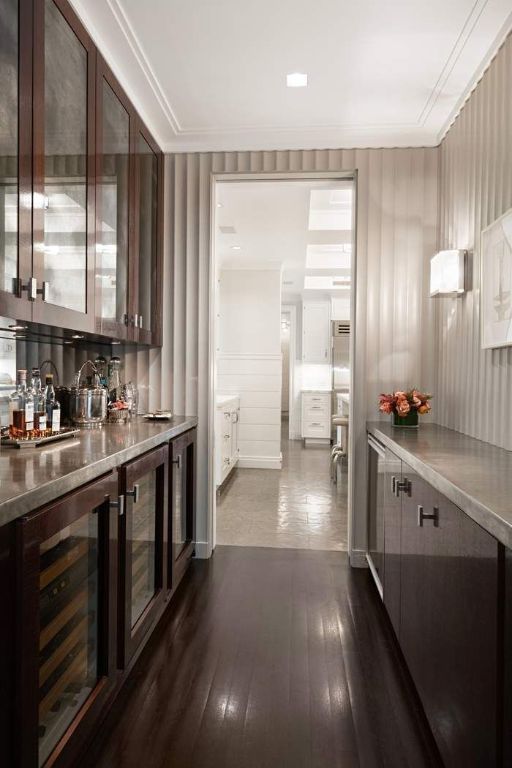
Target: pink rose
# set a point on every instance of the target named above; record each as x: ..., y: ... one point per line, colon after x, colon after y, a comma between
x: 403, y: 407
x: 386, y: 407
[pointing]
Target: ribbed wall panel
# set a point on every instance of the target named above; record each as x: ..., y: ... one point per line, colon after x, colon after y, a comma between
x: 473, y: 387
x: 396, y: 234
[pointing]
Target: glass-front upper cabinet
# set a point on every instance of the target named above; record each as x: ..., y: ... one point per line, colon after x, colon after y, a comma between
x: 147, y: 308
x: 15, y: 158
x: 112, y: 206
x: 64, y: 137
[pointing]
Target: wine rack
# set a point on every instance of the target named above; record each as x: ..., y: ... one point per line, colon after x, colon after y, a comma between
x: 68, y: 639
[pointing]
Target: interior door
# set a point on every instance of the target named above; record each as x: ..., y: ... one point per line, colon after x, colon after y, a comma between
x: 66, y: 579
x: 64, y: 168
x: 141, y: 543
x: 182, y: 517
x: 15, y: 158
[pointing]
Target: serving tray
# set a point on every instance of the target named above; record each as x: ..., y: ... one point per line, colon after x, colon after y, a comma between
x: 35, y: 442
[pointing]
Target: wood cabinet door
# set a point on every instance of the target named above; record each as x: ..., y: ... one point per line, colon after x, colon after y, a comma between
x: 115, y: 124
x: 141, y: 548
x: 392, y: 537
x: 66, y: 565
x: 183, y: 506
x: 449, y: 624
x: 147, y: 264
x: 16, y: 159
x: 63, y: 168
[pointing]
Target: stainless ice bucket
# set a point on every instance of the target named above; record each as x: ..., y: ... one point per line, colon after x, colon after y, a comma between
x: 88, y: 406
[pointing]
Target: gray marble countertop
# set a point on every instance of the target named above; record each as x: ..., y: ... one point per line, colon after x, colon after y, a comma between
x: 474, y: 475
x: 31, y: 477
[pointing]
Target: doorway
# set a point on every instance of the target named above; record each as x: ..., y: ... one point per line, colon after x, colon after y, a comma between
x: 282, y: 255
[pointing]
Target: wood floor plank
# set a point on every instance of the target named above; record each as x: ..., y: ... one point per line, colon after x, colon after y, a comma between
x: 269, y: 658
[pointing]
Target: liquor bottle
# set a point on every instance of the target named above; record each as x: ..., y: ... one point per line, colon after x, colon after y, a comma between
x: 21, y: 409
x: 52, y: 406
x: 39, y: 404
x: 114, y: 379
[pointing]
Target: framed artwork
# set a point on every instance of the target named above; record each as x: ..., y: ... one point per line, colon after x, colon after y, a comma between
x: 496, y: 283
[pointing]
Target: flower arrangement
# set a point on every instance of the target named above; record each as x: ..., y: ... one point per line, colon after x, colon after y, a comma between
x: 405, y: 406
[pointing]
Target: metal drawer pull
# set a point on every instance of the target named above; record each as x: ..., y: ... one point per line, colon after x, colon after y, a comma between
x: 119, y: 505
x: 393, y: 485
x: 134, y: 493
x: 434, y: 516
x: 177, y: 461
x: 405, y: 485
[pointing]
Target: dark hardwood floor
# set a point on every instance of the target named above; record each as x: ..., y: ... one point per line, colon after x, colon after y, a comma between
x: 270, y: 658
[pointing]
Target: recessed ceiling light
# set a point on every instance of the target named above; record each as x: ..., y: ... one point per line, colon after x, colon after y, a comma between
x: 219, y: 205
x: 236, y: 247
x: 18, y: 327
x: 296, y: 80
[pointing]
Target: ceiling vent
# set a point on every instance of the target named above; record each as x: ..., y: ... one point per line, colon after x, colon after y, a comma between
x: 228, y: 230
x: 340, y: 328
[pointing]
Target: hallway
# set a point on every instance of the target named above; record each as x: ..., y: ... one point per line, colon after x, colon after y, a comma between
x: 297, y: 507
x: 268, y: 659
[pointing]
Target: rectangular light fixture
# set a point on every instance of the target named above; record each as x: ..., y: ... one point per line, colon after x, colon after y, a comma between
x: 448, y: 273
x: 296, y: 80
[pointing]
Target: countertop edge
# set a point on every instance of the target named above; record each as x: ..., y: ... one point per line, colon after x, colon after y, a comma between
x: 486, y: 517
x: 19, y: 506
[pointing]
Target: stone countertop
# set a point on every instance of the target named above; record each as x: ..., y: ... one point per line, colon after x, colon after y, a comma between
x: 31, y: 477
x: 474, y: 475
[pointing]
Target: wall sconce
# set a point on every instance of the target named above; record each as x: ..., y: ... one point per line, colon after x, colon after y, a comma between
x: 448, y: 274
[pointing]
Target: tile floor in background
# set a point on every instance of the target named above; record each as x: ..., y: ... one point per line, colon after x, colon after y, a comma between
x: 297, y: 507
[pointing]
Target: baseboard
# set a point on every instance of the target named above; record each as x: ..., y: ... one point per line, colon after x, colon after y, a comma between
x: 202, y: 550
x: 358, y: 558
x: 260, y: 462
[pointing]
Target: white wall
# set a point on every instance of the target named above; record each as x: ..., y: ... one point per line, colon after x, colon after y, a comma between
x: 249, y: 361
x: 340, y: 307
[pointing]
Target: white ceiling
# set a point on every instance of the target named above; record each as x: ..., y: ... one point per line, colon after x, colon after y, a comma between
x: 210, y: 74
x: 272, y: 230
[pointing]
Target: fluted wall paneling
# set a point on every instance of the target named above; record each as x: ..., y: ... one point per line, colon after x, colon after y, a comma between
x: 396, y: 234
x: 473, y: 385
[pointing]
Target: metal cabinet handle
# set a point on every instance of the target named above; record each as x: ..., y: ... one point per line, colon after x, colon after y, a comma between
x: 134, y: 493
x: 30, y: 287
x: 405, y: 485
x: 140, y: 321
x: 177, y: 461
x: 393, y: 485
x: 434, y: 516
x: 119, y: 505
x: 44, y: 291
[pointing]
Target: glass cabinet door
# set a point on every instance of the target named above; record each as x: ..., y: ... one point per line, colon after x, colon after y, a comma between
x: 66, y: 647
x: 147, y: 293
x: 63, y: 195
x: 141, y: 548
x: 182, y: 519
x: 15, y: 161
x: 112, y: 208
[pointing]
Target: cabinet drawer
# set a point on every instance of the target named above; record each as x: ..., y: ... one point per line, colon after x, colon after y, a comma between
x: 316, y: 413
x: 315, y: 428
x: 311, y: 399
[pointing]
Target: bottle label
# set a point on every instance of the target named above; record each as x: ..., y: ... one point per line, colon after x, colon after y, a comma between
x: 12, y: 408
x: 56, y: 420
x: 29, y: 416
x: 41, y: 422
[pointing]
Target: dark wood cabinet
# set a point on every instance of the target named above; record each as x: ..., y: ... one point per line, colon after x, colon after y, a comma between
x: 450, y: 575
x: 63, y: 167
x: 392, y: 537
x: 15, y: 158
x: 81, y: 184
x: 182, y: 515
x: 144, y: 484
x: 66, y: 563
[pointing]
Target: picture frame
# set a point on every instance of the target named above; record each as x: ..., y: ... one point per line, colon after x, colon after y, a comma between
x: 496, y: 283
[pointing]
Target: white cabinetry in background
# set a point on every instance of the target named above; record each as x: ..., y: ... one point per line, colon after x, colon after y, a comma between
x: 226, y: 436
x: 316, y: 416
x: 316, y: 332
